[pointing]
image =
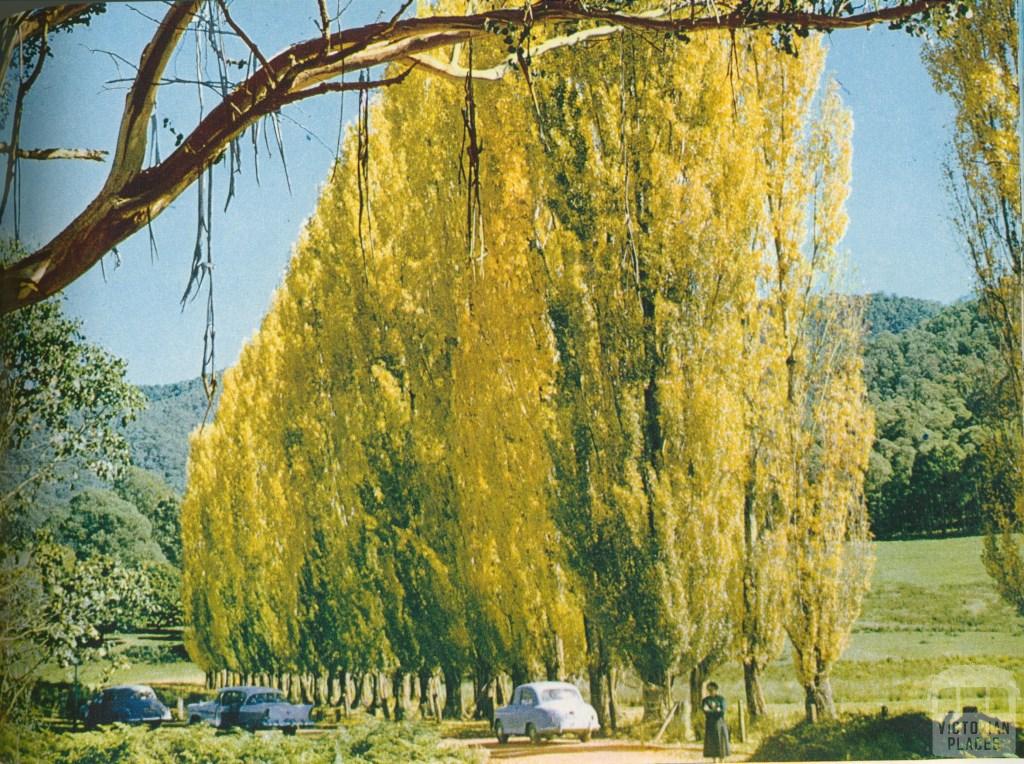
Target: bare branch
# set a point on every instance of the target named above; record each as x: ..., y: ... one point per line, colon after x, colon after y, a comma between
x: 19, y: 109
x: 246, y: 39
x: 498, y: 71
x: 141, y: 98
x: 325, y: 18
x: 92, y: 155
x: 134, y: 196
x: 343, y: 87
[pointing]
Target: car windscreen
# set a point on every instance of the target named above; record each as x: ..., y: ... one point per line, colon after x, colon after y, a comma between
x: 561, y: 693
x: 127, y: 694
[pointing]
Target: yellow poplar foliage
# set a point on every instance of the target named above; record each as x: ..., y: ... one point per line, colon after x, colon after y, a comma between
x: 975, y: 62
x: 446, y: 449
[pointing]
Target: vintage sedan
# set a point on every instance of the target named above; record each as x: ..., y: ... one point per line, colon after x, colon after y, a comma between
x: 126, y: 704
x: 252, y: 708
x: 542, y: 710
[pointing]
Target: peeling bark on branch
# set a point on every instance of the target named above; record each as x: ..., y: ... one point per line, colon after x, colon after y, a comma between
x: 132, y: 196
x: 92, y: 155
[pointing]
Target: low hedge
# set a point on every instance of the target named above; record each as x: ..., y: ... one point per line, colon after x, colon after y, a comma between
x: 371, y: 742
x: 857, y: 736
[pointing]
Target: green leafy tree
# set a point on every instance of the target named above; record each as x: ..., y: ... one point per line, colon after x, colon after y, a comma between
x: 158, y: 503
x: 56, y: 609
x: 63, y: 403
x: 99, y: 523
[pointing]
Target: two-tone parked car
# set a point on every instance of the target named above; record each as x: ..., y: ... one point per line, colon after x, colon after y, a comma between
x: 126, y: 704
x: 253, y: 708
x: 542, y: 710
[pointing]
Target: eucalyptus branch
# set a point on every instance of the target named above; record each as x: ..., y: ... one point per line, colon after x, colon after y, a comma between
x: 92, y: 155
x: 133, y: 196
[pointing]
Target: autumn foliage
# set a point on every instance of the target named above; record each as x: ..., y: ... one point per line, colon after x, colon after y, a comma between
x: 554, y: 383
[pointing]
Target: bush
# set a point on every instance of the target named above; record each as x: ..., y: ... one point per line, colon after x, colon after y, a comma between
x: 861, y: 736
x: 155, y: 654
x: 368, y: 743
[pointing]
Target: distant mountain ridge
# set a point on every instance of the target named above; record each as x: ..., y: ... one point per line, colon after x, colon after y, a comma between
x: 889, y: 313
x: 159, y: 437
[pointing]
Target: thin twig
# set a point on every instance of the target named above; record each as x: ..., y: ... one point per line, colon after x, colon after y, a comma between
x: 248, y: 41
x: 19, y: 108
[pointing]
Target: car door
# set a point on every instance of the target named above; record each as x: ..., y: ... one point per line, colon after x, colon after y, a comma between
x: 510, y: 715
x: 527, y: 708
x: 229, y: 704
x: 250, y: 712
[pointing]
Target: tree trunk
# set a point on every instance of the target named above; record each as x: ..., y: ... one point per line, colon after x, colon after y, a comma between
x: 696, y: 720
x: 452, y: 692
x: 344, y: 692
x: 597, y: 700
x: 554, y: 663
x: 520, y: 675
x: 382, y: 684
x: 598, y: 672
x: 818, y: 703
x: 755, y: 692
x: 398, y: 691
x: 613, y: 708
x: 484, y: 698
x: 374, y: 694
x: 425, y: 676
x: 657, y: 700
x: 331, y: 689
x: 360, y: 689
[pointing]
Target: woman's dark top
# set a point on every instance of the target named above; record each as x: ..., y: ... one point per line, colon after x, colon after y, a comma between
x: 716, y: 732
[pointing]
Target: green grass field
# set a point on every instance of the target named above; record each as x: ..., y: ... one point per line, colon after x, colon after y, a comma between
x: 932, y: 607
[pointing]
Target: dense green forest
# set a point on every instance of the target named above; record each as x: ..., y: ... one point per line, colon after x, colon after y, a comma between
x: 928, y: 368
x: 159, y: 437
x: 931, y: 387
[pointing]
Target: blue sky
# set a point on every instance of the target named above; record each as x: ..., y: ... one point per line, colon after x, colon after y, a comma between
x: 899, y: 239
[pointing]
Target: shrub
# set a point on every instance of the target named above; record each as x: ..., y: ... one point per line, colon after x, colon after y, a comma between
x: 368, y: 743
x: 860, y: 736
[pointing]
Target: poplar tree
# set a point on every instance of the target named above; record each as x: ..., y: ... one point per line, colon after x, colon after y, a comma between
x: 825, y: 425
x: 976, y: 64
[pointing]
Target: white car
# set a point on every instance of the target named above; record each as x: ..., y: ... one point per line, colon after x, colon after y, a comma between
x: 253, y: 708
x: 542, y: 710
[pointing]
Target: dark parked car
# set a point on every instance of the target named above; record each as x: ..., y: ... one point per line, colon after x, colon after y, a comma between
x: 126, y: 704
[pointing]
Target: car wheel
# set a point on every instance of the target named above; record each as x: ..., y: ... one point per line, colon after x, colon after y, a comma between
x: 585, y: 737
x: 194, y: 719
x: 289, y: 730
x: 532, y: 733
x: 499, y: 730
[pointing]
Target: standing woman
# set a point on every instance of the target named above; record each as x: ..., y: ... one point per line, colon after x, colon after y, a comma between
x: 716, y: 731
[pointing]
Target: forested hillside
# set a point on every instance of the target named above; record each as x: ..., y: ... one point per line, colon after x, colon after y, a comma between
x: 890, y: 313
x: 931, y: 387
x: 159, y: 437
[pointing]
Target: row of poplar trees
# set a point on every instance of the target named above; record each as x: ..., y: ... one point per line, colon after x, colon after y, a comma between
x: 555, y: 385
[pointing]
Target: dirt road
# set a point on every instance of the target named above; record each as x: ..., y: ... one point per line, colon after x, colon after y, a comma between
x: 594, y: 752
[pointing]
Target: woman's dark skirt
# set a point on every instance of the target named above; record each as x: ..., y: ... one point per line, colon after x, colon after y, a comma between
x: 716, y: 736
